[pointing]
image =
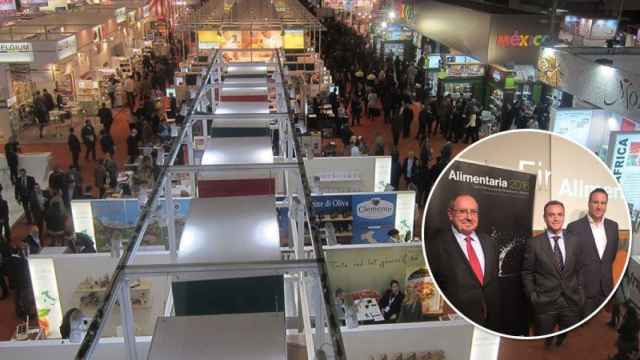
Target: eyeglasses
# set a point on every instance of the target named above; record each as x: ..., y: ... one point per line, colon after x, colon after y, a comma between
x: 468, y: 212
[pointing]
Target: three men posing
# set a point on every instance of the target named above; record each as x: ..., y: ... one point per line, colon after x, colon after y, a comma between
x: 566, y: 274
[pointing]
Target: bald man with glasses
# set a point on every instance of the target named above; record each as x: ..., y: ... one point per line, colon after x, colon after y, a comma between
x: 464, y: 264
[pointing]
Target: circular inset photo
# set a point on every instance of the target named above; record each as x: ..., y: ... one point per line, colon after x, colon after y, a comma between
x: 526, y: 234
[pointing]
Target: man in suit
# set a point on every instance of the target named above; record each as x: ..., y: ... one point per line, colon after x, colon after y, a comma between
x: 409, y: 166
x: 24, y: 187
x: 464, y: 265
x: 598, y: 238
x: 550, y: 273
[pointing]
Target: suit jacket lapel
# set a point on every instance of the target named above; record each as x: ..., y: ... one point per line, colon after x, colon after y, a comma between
x: 455, y: 250
x: 550, y: 254
x: 587, y: 230
x: 610, y: 250
x: 489, y: 271
x: 570, y: 248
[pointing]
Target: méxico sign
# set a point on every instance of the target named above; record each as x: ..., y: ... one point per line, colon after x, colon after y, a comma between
x: 520, y: 40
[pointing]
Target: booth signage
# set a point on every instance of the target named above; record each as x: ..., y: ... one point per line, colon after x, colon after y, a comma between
x: 606, y: 87
x: 7, y: 6
x: 520, y: 40
x: 67, y: 47
x: 624, y: 160
x: 121, y: 15
x: 146, y: 10
x: 375, y: 209
x: 16, y: 52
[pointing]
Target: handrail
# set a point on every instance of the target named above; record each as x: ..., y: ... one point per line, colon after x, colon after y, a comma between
x: 91, y: 339
x: 329, y: 300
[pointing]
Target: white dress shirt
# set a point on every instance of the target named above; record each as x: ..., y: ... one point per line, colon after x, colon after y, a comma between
x: 462, y: 242
x: 597, y: 228
x: 550, y: 235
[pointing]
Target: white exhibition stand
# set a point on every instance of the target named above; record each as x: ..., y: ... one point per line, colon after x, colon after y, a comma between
x: 237, y: 336
x: 37, y: 165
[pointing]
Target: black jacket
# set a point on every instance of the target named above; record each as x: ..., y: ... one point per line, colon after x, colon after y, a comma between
x: 596, y: 274
x: 4, y: 211
x: 106, y: 143
x: 394, y: 308
x: 23, y: 191
x: 132, y: 146
x: 88, y: 134
x: 74, y: 143
x: 457, y: 281
x: 543, y: 281
x: 106, y: 117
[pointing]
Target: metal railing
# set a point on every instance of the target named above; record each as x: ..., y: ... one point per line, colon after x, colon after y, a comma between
x: 319, y: 294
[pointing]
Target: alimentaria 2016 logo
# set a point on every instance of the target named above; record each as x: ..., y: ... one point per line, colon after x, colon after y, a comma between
x: 458, y: 175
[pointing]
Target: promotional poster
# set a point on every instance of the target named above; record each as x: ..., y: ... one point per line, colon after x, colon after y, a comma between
x: 116, y: 219
x: 505, y: 199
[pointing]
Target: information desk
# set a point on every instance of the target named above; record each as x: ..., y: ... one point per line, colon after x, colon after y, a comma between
x: 231, y: 229
x: 238, y: 150
x: 237, y: 336
x: 242, y: 107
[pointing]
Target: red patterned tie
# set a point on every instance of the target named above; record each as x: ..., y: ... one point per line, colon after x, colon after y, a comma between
x: 473, y: 260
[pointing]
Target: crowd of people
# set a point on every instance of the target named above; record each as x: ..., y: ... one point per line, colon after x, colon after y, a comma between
x: 47, y: 211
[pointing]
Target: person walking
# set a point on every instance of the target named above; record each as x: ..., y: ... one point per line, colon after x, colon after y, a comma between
x: 112, y: 170
x: 88, y: 134
x: 11, y: 150
x: 356, y: 110
x: 106, y: 117
x: 130, y: 89
x: 40, y: 111
x: 37, y: 204
x: 106, y: 142
x: 100, y: 178
x: 396, y: 124
x: 49, y: 103
x: 74, y: 147
x: 132, y: 146
x: 5, y: 227
x: 23, y: 189
x: 407, y: 118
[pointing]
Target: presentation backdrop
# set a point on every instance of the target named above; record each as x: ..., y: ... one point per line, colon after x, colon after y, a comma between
x: 568, y: 176
x: 505, y: 203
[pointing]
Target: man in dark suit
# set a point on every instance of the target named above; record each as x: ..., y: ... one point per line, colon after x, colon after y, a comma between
x: 464, y: 265
x: 550, y: 273
x: 409, y: 166
x: 24, y: 187
x: 598, y: 238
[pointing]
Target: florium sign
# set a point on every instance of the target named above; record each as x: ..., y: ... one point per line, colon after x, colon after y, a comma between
x: 521, y: 40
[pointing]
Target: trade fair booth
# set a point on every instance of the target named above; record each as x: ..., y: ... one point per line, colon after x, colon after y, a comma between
x: 226, y: 266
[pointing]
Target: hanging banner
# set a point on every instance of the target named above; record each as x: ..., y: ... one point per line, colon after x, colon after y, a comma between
x: 373, y: 217
x: 45, y: 291
x: 117, y: 219
x: 624, y: 161
x: 492, y: 188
